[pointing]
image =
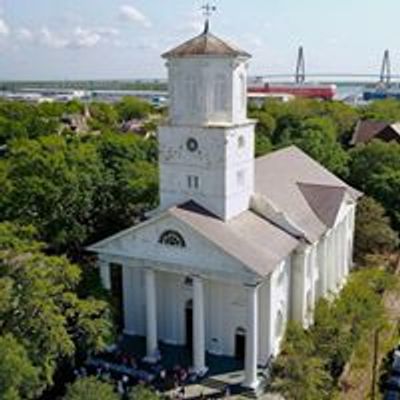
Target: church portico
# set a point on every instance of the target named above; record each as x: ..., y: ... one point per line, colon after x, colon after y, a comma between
x: 218, y: 310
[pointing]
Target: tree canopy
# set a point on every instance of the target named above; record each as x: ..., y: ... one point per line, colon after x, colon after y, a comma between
x: 132, y: 108
x: 91, y: 389
x: 76, y: 191
x: 41, y: 310
x: 375, y: 169
x: 373, y: 233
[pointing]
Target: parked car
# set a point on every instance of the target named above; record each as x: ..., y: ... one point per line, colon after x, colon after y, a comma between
x: 391, y: 395
x: 393, y: 383
x: 395, y: 370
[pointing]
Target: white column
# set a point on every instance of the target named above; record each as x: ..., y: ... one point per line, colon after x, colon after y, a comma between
x: 331, y: 262
x: 199, y: 350
x: 105, y: 273
x: 298, y: 286
x: 251, y: 356
x: 323, y: 265
x: 151, y: 317
x: 338, y: 259
x: 345, y: 249
x: 313, y: 279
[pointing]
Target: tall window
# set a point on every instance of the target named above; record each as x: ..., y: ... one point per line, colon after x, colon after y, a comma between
x: 243, y: 91
x: 220, y: 93
x: 191, y: 94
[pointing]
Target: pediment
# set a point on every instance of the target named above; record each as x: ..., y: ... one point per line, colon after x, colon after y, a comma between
x: 171, y: 244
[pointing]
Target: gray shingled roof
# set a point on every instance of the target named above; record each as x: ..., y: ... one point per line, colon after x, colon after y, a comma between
x: 367, y: 130
x: 325, y: 201
x: 304, y: 190
x: 249, y: 238
x: 205, y: 44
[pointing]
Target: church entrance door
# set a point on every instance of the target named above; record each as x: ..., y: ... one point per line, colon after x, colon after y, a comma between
x: 189, y: 324
x: 240, y: 344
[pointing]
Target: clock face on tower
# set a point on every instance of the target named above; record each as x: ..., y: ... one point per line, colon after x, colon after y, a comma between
x: 192, y: 145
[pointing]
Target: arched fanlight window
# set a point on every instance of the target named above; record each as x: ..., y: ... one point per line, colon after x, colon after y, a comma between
x: 172, y: 238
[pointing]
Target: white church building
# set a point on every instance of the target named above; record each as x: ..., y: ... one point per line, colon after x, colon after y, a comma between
x: 238, y: 245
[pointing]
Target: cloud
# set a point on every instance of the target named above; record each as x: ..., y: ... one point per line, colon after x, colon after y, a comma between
x: 52, y: 40
x: 77, y: 39
x: 4, y: 28
x: 24, y: 35
x: 130, y: 13
x: 84, y: 38
x: 107, y: 31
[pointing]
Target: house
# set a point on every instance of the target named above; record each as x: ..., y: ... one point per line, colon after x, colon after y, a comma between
x: 368, y: 130
x: 238, y: 245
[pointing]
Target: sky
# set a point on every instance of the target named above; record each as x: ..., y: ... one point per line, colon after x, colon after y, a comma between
x: 123, y: 39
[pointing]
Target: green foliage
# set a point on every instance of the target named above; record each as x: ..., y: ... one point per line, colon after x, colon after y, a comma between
x: 18, y: 377
x: 40, y: 307
x: 382, y: 110
x: 91, y: 389
x: 317, y: 137
x: 141, y: 392
x: 312, y: 361
x: 373, y: 234
x: 318, y: 128
x: 103, y: 116
x: 132, y: 108
x: 77, y: 191
x: 375, y: 169
x: 298, y: 374
x: 23, y: 120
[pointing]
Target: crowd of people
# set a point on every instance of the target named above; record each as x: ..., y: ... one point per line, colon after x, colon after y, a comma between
x: 127, y: 371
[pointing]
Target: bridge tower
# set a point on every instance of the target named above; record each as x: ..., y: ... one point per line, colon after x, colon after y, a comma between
x: 386, y: 74
x: 300, y: 75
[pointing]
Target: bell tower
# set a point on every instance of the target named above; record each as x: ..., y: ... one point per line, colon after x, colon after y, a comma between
x: 207, y: 144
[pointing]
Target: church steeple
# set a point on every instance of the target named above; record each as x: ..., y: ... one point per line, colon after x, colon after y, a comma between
x: 207, y: 146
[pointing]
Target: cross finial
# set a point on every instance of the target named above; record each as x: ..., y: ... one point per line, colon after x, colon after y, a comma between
x: 208, y: 11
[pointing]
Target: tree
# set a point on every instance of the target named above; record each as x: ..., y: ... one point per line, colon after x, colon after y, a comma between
x: 104, y: 116
x: 76, y: 191
x: 51, y: 184
x: 91, y: 389
x: 373, y: 233
x: 141, y: 392
x: 41, y: 309
x: 132, y: 108
x: 382, y: 110
x: 331, y: 338
x: 317, y: 137
x: 18, y: 377
x: 375, y: 169
x: 297, y: 373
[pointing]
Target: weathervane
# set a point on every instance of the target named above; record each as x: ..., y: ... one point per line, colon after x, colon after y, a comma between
x: 208, y: 11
